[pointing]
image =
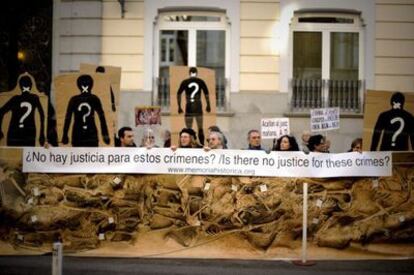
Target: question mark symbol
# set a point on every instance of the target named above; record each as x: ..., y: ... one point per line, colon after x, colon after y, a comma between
x: 387, y: 159
x: 88, y: 112
x: 213, y: 156
x: 195, y: 85
x: 26, y: 114
x: 399, y: 130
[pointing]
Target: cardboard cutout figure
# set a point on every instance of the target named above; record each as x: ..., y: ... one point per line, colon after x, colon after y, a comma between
x: 113, y: 74
x: 193, y: 87
x: 112, y: 91
x: 388, y: 121
x: 101, y: 69
x: 83, y: 108
x: 23, y: 107
x: 198, y: 114
x: 396, y: 127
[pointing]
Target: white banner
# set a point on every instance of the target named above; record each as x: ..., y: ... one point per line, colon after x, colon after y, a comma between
x: 274, y: 127
x: 200, y: 162
x: 324, y: 119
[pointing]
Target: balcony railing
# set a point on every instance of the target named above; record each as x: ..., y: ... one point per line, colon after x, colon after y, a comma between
x: 318, y: 93
x: 163, y: 95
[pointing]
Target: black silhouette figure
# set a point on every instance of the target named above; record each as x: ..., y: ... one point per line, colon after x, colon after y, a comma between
x: 193, y: 86
x: 22, y: 128
x: 396, y: 127
x: 101, y: 69
x: 83, y: 107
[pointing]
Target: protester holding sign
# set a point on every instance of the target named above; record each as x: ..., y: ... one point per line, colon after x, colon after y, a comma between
x: 188, y: 139
x: 255, y: 140
x: 286, y: 143
x: 215, y: 128
x: 148, y: 139
x: 356, y: 145
x: 317, y: 144
x: 125, y: 137
x: 215, y: 141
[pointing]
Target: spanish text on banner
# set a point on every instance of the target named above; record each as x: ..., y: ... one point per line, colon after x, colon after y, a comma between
x: 198, y: 161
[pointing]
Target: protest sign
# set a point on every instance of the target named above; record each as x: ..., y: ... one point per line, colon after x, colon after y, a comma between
x: 192, y: 100
x: 23, y: 114
x: 387, y: 125
x: 274, y: 127
x: 200, y: 162
x: 147, y: 115
x: 324, y: 119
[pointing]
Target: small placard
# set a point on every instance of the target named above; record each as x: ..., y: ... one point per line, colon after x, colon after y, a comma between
x: 375, y: 183
x: 117, y: 180
x: 234, y: 187
x: 315, y: 220
x: 111, y: 220
x: 324, y: 119
x: 33, y: 218
x: 20, y: 237
x: 263, y: 188
x: 319, y: 203
x: 101, y: 236
x: 207, y: 186
x: 36, y: 192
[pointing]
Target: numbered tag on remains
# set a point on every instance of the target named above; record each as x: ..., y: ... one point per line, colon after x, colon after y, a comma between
x: 36, y: 192
x: 33, y: 218
x: 263, y: 188
x: 111, y: 220
x: 19, y: 237
x: 117, y: 180
x: 319, y: 203
x: 234, y: 187
x: 207, y: 186
x: 101, y: 236
x: 315, y: 221
x: 30, y: 201
x: 375, y: 183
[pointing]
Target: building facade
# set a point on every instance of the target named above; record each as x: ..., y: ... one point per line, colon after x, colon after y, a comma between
x: 272, y: 58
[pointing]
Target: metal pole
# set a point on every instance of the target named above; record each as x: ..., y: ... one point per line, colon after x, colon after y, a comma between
x: 304, y: 222
x: 57, y: 258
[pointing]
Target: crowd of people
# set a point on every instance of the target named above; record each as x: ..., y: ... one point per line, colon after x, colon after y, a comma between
x: 187, y: 138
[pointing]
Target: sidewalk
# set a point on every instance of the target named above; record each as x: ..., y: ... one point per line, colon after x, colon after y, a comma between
x: 105, y: 266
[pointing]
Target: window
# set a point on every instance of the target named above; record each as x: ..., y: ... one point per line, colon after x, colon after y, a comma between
x: 191, y: 39
x: 327, y: 67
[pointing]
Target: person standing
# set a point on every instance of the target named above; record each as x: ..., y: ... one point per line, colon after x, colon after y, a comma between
x: 215, y: 141
x: 286, y: 143
x: 126, y: 137
x: 255, y: 140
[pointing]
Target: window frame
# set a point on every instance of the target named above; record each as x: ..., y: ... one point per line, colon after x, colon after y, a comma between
x: 192, y: 27
x: 326, y: 29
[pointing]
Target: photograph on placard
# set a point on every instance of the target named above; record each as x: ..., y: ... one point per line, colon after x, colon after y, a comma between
x: 23, y: 113
x: 147, y: 115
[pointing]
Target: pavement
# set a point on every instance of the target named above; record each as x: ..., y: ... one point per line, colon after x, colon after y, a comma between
x: 25, y: 265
